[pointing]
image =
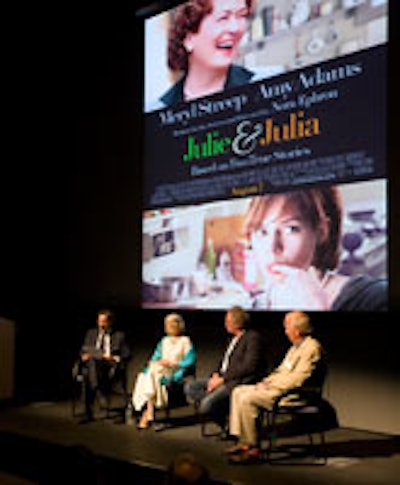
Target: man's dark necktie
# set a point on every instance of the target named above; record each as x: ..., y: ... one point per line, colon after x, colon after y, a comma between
x: 102, y: 341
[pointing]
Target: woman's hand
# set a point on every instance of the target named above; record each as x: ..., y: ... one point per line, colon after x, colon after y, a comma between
x: 166, y: 363
x: 292, y: 287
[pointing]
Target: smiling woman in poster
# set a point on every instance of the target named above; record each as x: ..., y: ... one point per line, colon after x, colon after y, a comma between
x: 295, y: 239
x: 203, y: 41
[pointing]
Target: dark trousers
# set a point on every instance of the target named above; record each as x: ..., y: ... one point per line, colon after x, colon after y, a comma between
x: 98, y: 375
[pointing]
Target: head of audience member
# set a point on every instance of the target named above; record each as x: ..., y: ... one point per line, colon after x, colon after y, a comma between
x: 236, y: 320
x: 105, y: 318
x: 185, y: 469
x: 174, y: 325
x: 79, y: 459
x: 297, y: 326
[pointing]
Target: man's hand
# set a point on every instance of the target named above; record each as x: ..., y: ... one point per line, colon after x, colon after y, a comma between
x: 214, y: 381
x: 261, y: 385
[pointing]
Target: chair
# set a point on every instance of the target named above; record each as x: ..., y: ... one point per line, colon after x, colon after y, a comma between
x: 116, y: 388
x: 299, y: 411
x: 222, y: 432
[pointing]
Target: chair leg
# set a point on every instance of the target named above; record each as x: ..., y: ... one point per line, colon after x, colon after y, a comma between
x: 222, y: 432
x: 322, y: 446
x: 166, y: 423
x: 318, y: 450
x: 324, y: 452
x: 78, y: 395
x: 200, y: 418
x: 108, y: 404
x: 203, y: 428
x: 270, y: 418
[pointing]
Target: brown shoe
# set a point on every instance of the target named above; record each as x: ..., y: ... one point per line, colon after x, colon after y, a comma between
x: 246, y: 457
x: 235, y: 449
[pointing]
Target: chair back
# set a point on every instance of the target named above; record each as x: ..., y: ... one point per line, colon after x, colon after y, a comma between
x: 190, y: 371
x: 317, y: 379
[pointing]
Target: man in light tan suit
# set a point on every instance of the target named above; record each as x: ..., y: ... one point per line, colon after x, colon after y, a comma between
x: 246, y: 400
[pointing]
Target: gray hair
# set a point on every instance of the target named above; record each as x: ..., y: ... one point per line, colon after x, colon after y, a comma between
x: 240, y: 316
x: 176, y: 319
x: 301, y: 321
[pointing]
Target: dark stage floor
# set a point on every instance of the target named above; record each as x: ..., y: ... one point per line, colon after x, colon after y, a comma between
x: 354, y: 456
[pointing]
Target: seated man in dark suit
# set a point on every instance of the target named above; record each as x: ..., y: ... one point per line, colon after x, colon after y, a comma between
x: 103, y: 354
x: 241, y: 363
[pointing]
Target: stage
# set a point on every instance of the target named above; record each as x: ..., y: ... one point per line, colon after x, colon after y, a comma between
x: 41, y: 436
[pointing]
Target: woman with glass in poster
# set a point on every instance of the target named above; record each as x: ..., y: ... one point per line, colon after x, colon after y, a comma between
x: 295, y: 238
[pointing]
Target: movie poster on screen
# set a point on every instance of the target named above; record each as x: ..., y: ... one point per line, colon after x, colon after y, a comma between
x: 290, y: 129
x: 241, y: 183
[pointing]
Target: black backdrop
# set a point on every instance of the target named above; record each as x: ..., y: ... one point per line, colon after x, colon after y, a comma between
x: 70, y: 194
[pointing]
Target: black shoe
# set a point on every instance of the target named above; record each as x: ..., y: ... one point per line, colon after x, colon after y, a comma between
x: 87, y: 418
x: 226, y: 436
x: 102, y: 399
x: 162, y: 426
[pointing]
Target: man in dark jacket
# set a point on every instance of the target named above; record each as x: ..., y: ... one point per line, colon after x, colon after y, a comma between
x: 241, y: 363
x: 103, y: 354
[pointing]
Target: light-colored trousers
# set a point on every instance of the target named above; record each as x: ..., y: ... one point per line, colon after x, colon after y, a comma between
x: 149, y: 388
x: 246, y: 402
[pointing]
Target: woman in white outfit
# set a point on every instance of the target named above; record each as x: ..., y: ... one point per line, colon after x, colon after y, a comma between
x: 173, y: 356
